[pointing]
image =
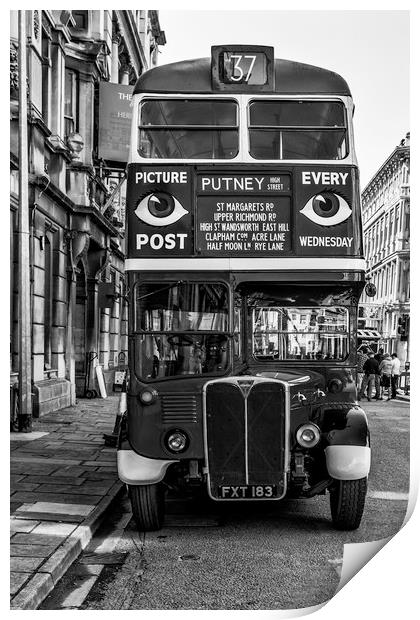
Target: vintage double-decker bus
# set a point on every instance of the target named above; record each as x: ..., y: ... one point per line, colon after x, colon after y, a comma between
x: 244, y: 266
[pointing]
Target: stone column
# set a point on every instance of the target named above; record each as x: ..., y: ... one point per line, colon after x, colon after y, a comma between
x: 78, y: 243
x: 125, y: 70
x: 115, y: 59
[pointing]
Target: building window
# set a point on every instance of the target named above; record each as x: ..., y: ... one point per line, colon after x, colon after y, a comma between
x: 71, y: 101
x: 46, y: 73
x: 80, y: 19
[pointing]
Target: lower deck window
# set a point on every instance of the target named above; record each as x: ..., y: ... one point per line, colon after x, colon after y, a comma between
x: 170, y: 355
x: 300, y: 333
x: 181, y: 328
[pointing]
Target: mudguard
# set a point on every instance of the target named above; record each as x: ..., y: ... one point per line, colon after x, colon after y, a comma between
x: 134, y: 468
x: 347, y: 450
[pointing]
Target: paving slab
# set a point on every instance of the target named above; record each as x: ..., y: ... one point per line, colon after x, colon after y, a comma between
x: 28, y: 497
x: 23, y: 564
x: 63, y: 479
x: 57, y: 508
x: 23, y: 486
x: 72, y: 480
x: 39, y: 551
x: 17, y: 580
x: 19, y: 525
x: 58, y: 517
x: 21, y: 437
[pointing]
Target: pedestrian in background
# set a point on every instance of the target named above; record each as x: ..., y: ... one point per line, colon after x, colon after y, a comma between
x: 370, y: 377
x: 362, y: 356
x: 385, y: 369
x: 395, y: 374
x: 379, y: 355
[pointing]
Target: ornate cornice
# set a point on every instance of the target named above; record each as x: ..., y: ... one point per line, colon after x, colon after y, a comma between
x: 400, y: 155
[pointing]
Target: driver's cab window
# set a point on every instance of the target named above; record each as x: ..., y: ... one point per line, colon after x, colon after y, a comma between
x: 315, y: 333
x: 181, y: 329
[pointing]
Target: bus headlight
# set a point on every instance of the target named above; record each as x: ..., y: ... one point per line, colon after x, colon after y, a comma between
x: 308, y: 435
x: 176, y: 441
x: 335, y: 385
x: 148, y: 396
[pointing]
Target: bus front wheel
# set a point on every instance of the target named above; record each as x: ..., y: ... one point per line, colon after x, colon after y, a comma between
x: 148, y: 506
x: 347, y: 501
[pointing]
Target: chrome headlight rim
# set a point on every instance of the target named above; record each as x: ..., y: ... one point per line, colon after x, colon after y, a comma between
x: 182, y: 435
x: 311, y: 443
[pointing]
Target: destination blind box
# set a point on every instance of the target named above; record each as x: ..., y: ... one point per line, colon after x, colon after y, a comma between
x: 238, y: 68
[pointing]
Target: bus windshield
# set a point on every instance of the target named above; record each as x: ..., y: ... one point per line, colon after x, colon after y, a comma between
x: 181, y: 329
x: 297, y: 129
x: 188, y: 129
x: 315, y: 333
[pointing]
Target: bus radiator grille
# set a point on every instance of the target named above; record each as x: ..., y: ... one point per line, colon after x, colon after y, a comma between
x: 245, y: 435
x: 179, y: 408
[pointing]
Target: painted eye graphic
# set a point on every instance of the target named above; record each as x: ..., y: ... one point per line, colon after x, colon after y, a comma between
x: 160, y: 209
x: 326, y: 209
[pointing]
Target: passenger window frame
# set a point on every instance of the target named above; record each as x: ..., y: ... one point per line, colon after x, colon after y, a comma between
x: 294, y: 99
x: 191, y: 127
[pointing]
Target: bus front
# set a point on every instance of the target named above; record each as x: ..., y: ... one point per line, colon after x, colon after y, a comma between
x: 245, y: 268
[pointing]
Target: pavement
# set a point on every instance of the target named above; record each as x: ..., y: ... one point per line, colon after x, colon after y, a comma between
x: 63, y: 479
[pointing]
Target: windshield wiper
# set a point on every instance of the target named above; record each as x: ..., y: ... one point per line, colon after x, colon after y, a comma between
x: 160, y: 290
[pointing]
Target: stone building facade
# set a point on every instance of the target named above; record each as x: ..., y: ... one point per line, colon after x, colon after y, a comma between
x: 76, y: 242
x: 386, y: 226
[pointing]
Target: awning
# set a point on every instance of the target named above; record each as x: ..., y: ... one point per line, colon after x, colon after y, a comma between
x: 368, y: 334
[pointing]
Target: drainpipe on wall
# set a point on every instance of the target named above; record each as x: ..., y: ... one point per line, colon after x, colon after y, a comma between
x: 71, y: 301
x: 24, y: 305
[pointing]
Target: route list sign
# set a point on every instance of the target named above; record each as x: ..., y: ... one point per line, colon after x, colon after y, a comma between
x: 243, y: 214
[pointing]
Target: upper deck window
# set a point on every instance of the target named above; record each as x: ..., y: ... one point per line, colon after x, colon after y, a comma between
x: 188, y: 129
x: 297, y: 130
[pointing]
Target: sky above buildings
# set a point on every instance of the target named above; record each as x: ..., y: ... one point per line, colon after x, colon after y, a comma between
x: 370, y: 49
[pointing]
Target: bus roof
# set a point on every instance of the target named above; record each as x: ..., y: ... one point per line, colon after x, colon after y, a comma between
x: 194, y: 76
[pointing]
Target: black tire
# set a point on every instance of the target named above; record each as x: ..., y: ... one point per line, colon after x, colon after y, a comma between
x: 148, y: 506
x: 347, y: 501
x: 89, y: 394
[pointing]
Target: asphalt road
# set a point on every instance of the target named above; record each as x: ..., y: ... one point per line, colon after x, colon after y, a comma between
x: 280, y: 556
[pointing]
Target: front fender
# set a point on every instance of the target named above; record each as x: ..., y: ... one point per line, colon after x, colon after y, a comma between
x: 136, y: 469
x: 347, y: 450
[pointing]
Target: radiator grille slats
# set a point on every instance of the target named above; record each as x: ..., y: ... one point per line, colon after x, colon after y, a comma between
x: 179, y: 408
x: 245, y: 434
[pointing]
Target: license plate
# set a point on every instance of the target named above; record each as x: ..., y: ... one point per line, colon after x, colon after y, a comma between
x: 248, y: 491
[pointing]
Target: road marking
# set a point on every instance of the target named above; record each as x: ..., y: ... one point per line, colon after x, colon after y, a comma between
x: 190, y: 521
x: 391, y: 495
x: 337, y: 565
x: 393, y: 418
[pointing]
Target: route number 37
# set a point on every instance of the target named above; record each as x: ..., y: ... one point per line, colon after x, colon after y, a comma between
x: 242, y: 67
